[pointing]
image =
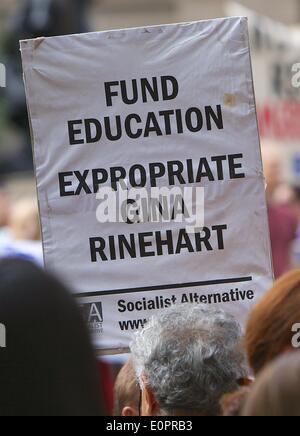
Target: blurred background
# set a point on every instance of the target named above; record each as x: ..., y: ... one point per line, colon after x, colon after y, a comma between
x: 275, y: 40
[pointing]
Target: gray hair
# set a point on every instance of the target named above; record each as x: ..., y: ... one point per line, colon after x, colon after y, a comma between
x: 190, y: 356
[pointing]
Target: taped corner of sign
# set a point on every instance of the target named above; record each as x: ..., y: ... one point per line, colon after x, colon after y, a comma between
x: 244, y: 18
x: 32, y: 43
x: 37, y: 42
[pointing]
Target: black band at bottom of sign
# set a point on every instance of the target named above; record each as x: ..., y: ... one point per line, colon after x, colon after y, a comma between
x: 166, y: 287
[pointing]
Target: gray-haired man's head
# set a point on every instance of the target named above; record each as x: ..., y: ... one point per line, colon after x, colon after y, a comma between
x: 186, y: 359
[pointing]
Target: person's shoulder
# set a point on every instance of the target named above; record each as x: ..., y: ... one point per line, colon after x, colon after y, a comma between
x: 284, y: 210
x: 287, y: 219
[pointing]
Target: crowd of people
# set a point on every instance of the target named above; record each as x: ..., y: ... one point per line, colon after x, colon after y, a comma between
x: 189, y: 360
x: 193, y: 360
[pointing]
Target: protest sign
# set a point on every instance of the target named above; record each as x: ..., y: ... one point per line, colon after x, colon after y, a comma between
x: 121, y: 118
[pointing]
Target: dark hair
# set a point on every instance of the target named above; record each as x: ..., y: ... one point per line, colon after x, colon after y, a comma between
x: 48, y: 367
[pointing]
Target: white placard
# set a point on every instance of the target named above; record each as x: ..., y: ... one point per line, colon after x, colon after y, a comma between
x: 158, y: 107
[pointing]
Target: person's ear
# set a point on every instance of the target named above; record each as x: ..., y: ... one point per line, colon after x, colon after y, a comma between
x: 245, y: 382
x: 129, y: 411
x: 149, y: 405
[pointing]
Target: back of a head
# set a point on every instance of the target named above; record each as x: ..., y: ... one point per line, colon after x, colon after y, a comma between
x: 48, y: 367
x: 277, y: 389
x: 126, y: 392
x: 269, y: 329
x: 190, y: 356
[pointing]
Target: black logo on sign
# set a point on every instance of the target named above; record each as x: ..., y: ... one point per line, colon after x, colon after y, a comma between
x: 93, y: 315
